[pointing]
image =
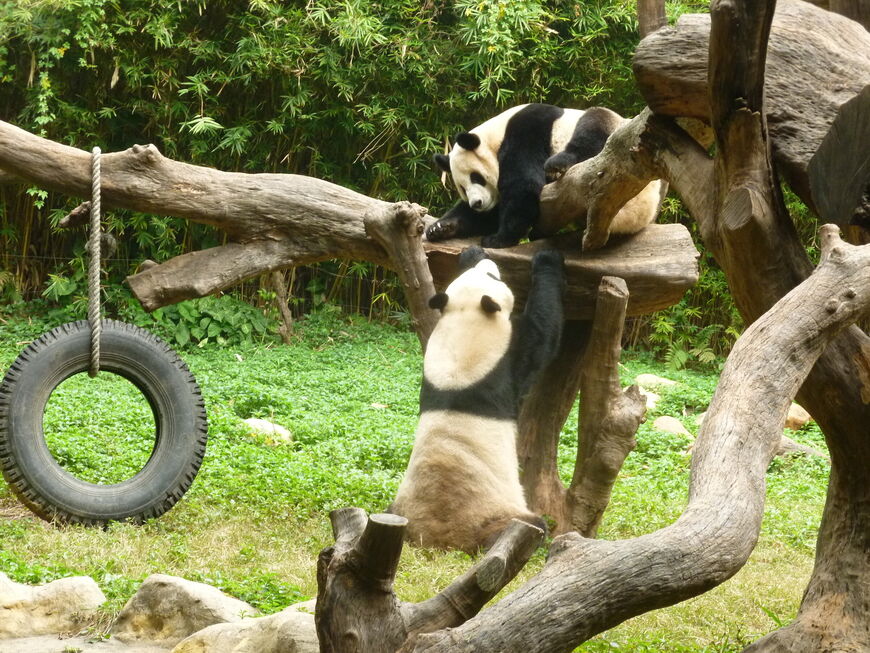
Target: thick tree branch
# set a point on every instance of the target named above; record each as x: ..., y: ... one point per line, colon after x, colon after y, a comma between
x: 816, y: 62
x: 659, y: 264
x: 399, y: 234
x: 646, y: 148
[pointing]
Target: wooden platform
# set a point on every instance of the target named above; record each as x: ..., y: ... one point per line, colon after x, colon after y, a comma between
x: 659, y: 264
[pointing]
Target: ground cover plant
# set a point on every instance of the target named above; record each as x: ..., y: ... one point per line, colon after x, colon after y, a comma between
x: 255, y: 518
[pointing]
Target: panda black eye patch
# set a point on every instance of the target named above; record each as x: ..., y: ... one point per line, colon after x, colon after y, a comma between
x: 477, y: 178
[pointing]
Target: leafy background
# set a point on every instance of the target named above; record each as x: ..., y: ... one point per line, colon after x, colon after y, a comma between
x: 359, y: 93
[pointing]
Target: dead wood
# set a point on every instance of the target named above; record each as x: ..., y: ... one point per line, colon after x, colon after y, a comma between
x: 650, y: 16
x: 357, y: 610
x: 840, y: 170
x: 816, y: 62
x: 751, y: 225
x: 275, y: 221
x: 399, y: 233
x: 542, y: 415
x: 587, y: 361
x: 279, y: 286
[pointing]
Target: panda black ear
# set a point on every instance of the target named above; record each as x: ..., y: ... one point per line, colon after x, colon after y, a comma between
x: 438, y: 301
x: 442, y: 161
x: 489, y: 305
x: 468, y: 140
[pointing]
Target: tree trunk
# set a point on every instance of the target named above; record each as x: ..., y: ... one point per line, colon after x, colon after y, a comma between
x: 816, y: 62
x: 752, y: 225
x: 542, y: 416
x: 279, y: 285
x: 650, y: 16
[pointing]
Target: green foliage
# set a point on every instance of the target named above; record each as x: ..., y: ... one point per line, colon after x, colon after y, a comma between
x: 101, y: 430
x: 357, y: 93
x: 700, y: 329
x: 256, y: 516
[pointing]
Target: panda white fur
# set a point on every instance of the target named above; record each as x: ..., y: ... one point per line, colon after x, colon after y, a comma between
x: 500, y: 167
x: 462, y: 486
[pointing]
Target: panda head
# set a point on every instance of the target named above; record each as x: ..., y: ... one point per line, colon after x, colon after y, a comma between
x: 473, y: 165
x: 477, y: 292
x: 474, y: 331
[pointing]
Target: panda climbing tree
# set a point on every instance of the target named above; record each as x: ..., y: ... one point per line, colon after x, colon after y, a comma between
x: 732, y: 192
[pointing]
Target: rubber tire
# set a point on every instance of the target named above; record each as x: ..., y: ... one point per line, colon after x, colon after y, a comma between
x: 152, y: 366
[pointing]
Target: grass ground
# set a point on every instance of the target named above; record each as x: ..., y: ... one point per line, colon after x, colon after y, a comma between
x: 255, y: 518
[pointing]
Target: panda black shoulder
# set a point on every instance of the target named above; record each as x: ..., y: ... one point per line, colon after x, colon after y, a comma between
x: 528, y: 131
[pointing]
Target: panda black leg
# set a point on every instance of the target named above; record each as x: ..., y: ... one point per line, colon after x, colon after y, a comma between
x: 462, y: 221
x: 519, y: 211
x: 557, y: 165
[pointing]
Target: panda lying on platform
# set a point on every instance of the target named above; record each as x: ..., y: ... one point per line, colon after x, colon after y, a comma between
x: 462, y: 487
x: 500, y: 167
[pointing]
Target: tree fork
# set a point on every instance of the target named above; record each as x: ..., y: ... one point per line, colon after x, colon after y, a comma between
x: 752, y: 225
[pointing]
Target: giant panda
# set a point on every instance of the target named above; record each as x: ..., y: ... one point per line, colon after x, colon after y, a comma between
x: 500, y: 167
x: 462, y: 486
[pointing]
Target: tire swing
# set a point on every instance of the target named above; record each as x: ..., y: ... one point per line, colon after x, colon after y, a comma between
x: 91, y: 345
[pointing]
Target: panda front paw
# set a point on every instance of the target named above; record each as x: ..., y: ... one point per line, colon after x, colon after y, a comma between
x: 548, y: 258
x: 497, y: 241
x: 442, y: 229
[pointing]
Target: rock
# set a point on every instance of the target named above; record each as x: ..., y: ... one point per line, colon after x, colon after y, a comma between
x: 289, y: 631
x: 652, y: 380
x: 77, y: 643
x: 275, y: 433
x: 651, y: 399
x: 796, y: 417
x: 60, y: 606
x: 166, y: 609
x: 788, y: 446
x: 671, y: 425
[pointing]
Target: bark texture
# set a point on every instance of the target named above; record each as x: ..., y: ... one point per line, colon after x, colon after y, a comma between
x: 752, y: 225
x: 542, y: 415
x: 816, y: 62
x: 650, y: 16
x: 588, y: 586
x: 357, y: 611
x: 840, y: 170
x: 588, y: 361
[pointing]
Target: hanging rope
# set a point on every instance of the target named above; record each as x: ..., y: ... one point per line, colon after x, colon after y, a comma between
x: 94, y: 265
